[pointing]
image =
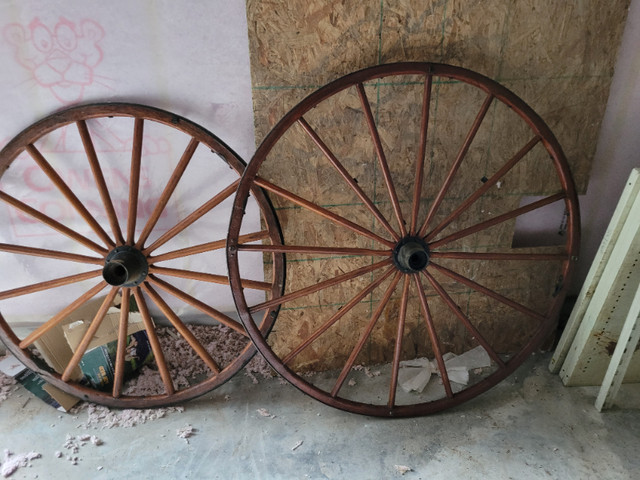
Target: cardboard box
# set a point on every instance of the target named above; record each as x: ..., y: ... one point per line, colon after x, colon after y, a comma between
x: 97, y: 366
x: 98, y: 363
x: 51, y: 395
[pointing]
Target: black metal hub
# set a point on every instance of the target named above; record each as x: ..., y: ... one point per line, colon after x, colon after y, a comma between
x: 411, y: 255
x: 125, y: 266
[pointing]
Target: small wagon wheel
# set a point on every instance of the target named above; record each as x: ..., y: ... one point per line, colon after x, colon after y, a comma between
x: 123, y: 198
x: 398, y: 189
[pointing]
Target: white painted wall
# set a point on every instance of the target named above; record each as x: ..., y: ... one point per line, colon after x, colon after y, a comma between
x: 618, y: 149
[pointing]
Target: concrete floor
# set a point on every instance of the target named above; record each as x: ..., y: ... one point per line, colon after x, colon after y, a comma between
x: 527, y: 427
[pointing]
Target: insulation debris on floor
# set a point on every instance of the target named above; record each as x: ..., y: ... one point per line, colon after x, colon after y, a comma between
x: 7, y: 385
x: 12, y: 462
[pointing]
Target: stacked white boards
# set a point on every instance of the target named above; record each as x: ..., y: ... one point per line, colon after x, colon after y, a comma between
x: 599, y: 343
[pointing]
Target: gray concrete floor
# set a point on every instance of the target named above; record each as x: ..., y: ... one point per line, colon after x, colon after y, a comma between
x: 530, y: 426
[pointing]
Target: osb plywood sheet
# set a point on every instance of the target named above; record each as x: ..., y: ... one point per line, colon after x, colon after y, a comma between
x: 557, y: 56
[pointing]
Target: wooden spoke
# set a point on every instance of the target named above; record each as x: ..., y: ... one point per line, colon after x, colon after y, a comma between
x: 500, y: 256
x: 319, y: 286
x: 433, y: 336
x: 365, y: 335
x: 207, y: 247
x: 209, y: 277
x: 156, y: 348
x: 32, y: 212
x: 203, y: 307
x: 43, y: 252
x: 167, y: 192
x: 463, y: 318
x: 68, y: 194
x: 487, y: 291
x: 197, y: 214
x: 422, y: 150
x: 181, y: 327
x: 499, y: 219
x: 347, y: 178
x: 397, y: 352
x: 456, y: 164
x: 308, y: 249
x: 99, y: 179
x: 121, y: 349
x: 321, y: 211
x: 484, y: 188
x: 337, y: 316
x: 134, y: 182
x: 58, y: 282
x: 384, y: 166
x: 89, y: 334
x: 60, y: 316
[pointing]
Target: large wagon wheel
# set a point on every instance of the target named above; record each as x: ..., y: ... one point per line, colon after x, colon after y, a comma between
x: 122, y: 198
x: 398, y: 188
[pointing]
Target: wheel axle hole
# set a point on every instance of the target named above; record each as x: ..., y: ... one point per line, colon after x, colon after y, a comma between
x: 418, y: 260
x: 115, y: 274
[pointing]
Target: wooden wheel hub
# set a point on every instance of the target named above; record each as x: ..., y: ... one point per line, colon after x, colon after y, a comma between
x: 411, y: 255
x: 125, y: 266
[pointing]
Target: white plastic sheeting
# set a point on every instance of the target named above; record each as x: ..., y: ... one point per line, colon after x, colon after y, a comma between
x: 190, y: 58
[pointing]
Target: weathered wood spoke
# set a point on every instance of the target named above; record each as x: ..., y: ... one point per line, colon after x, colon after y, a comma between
x: 382, y: 159
x: 60, y: 316
x: 50, y: 222
x: 99, y: 179
x: 499, y: 219
x: 433, y: 336
x: 321, y: 211
x: 89, y: 334
x: 348, y: 178
x: 484, y: 188
x: 194, y: 302
x: 456, y: 164
x: 422, y: 151
x: 365, y: 335
x: 68, y: 194
x: 43, y: 252
x: 134, y: 182
x: 182, y: 329
x: 319, y: 286
x: 58, y: 282
x: 207, y: 247
x: 156, y: 348
x: 337, y: 316
x: 464, y: 319
x: 167, y: 192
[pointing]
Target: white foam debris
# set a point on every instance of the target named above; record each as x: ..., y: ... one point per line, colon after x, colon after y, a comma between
x: 370, y: 374
x: 74, y: 443
x: 12, y: 462
x: 402, y: 469
x: 186, y: 366
x: 186, y: 432
x: 265, y: 413
x: 7, y: 386
x: 352, y: 382
x: 99, y: 416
